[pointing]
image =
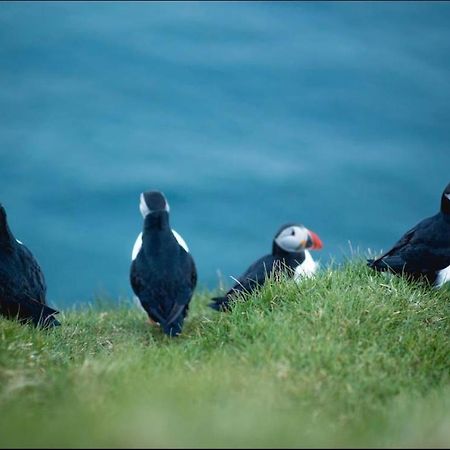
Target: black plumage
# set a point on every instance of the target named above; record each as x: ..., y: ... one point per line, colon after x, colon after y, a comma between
x: 22, y: 283
x: 257, y: 274
x: 279, y: 261
x: 163, y: 274
x: 424, y: 250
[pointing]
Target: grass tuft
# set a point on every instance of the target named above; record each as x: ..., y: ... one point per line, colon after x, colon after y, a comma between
x: 350, y: 358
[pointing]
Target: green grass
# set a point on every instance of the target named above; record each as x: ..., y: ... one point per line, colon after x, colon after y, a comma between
x: 350, y: 358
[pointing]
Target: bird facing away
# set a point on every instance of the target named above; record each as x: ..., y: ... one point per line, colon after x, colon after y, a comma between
x: 289, y: 255
x: 163, y: 273
x: 423, y: 252
x: 22, y: 283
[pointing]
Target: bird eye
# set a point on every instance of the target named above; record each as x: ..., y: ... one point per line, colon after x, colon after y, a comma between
x: 293, y: 233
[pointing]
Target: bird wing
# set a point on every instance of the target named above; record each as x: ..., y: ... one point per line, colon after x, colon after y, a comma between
x: 392, y: 258
x: 417, y: 251
x: 193, y: 271
x: 37, y: 284
x: 136, y: 280
x: 24, y: 307
x: 254, y: 276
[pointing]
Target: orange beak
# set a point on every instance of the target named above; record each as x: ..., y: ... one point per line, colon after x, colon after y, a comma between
x: 316, y: 243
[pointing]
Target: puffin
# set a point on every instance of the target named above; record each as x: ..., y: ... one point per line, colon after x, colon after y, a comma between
x: 423, y: 252
x: 163, y: 274
x: 290, y: 254
x: 22, y: 283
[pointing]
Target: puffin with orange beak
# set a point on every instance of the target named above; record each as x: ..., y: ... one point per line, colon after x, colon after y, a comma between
x: 289, y: 255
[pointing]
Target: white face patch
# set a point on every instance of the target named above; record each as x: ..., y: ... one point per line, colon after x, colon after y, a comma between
x: 21, y: 243
x: 291, y: 238
x: 143, y: 207
x: 145, y: 211
x: 448, y: 196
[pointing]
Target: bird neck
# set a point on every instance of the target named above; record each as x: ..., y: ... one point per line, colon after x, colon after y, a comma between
x: 156, y: 221
x: 6, y: 237
x: 283, y: 254
x: 156, y: 231
x: 445, y: 205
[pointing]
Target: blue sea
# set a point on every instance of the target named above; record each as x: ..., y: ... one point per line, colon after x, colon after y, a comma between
x: 246, y: 115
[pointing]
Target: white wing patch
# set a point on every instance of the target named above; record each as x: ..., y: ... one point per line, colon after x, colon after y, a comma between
x: 307, y: 268
x: 136, y: 247
x: 138, y: 244
x: 180, y: 240
x: 443, y: 277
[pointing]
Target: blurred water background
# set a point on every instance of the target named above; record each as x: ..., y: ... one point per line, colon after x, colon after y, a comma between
x: 246, y: 115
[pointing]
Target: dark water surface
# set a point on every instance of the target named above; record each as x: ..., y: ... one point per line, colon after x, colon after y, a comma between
x: 247, y: 115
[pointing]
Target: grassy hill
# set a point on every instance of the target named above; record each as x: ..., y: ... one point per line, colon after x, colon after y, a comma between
x: 351, y: 358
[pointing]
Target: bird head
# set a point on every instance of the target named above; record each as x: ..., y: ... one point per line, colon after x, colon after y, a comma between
x: 152, y: 201
x: 445, y: 200
x: 295, y: 238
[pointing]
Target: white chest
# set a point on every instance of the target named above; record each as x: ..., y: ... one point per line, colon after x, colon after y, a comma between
x: 307, y: 268
x: 443, y: 277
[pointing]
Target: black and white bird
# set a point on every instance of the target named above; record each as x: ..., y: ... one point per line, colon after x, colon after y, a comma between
x: 22, y: 283
x: 424, y: 251
x: 289, y: 254
x: 163, y: 273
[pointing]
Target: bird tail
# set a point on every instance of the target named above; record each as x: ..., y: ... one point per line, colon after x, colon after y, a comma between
x: 48, y: 320
x: 41, y: 315
x: 220, y: 303
x: 394, y: 264
x: 377, y: 264
x: 30, y: 310
x: 173, y: 325
x: 173, y: 329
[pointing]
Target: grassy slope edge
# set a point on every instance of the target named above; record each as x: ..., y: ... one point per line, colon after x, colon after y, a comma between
x: 350, y: 358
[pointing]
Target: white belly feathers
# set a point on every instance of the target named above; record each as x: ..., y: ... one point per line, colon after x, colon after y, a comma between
x: 307, y: 268
x: 443, y: 277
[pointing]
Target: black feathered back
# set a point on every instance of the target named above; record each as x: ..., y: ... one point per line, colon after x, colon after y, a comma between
x: 22, y: 283
x: 163, y: 275
x: 423, y: 251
